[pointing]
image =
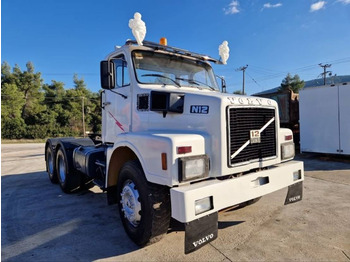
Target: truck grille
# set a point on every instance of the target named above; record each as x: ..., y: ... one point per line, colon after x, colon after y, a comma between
x: 240, y: 122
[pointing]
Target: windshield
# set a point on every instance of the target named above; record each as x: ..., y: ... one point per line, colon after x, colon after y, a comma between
x: 167, y: 69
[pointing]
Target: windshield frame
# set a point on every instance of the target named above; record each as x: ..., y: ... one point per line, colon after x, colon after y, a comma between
x: 189, y: 62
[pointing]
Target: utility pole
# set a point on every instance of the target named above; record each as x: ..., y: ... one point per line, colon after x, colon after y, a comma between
x: 83, y: 113
x: 325, y: 71
x: 242, y: 68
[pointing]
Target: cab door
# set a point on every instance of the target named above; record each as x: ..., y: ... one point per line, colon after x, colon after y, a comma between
x: 116, y: 103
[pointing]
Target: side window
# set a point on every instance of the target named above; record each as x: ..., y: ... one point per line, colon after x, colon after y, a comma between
x: 121, y: 71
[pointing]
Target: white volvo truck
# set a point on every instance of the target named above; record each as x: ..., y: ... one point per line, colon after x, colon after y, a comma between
x: 174, y: 146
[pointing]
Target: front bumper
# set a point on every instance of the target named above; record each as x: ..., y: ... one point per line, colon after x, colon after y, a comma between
x: 230, y: 192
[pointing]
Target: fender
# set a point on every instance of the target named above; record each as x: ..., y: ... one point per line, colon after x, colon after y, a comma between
x: 67, y: 143
x: 148, y: 148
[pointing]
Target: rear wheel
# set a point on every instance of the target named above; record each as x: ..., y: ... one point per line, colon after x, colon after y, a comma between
x: 51, y: 165
x: 68, y: 180
x: 144, y: 207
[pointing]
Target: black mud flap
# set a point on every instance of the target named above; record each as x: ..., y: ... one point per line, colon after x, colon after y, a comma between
x: 200, y: 232
x: 295, y: 193
x: 112, y: 195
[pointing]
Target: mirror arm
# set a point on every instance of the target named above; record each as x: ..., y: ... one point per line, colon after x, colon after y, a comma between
x: 223, y: 83
x: 122, y: 95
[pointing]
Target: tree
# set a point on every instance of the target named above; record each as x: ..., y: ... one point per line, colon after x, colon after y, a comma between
x: 79, y: 84
x: 92, y: 108
x: 96, y: 112
x: 292, y: 83
x: 12, y: 101
x: 29, y: 83
x: 55, y: 101
x: 77, y: 98
x: 31, y: 109
x: 6, y: 75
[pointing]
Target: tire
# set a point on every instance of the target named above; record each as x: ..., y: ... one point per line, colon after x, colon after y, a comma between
x: 144, y: 207
x: 51, y: 165
x: 68, y: 180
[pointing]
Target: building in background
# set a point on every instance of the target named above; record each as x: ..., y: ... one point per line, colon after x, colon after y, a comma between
x: 325, y: 119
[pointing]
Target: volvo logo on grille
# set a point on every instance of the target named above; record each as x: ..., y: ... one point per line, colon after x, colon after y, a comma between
x: 249, y: 101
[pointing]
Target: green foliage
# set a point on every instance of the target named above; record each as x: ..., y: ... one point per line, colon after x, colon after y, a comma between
x: 292, y: 83
x: 12, y: 101
x: 31, y: 109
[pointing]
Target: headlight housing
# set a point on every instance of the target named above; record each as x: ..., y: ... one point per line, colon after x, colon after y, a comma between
x: 193, y: 167
x: 287, y: 151
x: 203, y: 205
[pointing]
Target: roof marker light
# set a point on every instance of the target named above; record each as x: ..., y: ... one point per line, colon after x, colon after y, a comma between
x: 163, y: 41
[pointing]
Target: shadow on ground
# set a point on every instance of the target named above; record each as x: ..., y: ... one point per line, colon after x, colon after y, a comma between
x: 40, y: 223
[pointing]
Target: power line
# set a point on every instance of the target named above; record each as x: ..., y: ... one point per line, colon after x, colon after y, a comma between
x: 69, y: 74
x: 253, y: 80
x: 265, y: 70
x: 61, y: 100
x: 297, y: 70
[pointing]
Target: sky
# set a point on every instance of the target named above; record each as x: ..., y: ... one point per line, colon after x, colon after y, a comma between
x: 272, y: 37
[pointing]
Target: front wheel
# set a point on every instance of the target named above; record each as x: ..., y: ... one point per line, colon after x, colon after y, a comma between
x: 144, y: 207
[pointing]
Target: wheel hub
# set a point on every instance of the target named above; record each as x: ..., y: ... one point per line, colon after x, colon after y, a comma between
x: 131, y: 205
x: 50, y: 163
x: 62, y: 169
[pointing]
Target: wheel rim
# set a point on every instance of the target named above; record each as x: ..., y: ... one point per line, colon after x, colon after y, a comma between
x: 50, y: 162
x: 131, y: 205
x: 62, y: 169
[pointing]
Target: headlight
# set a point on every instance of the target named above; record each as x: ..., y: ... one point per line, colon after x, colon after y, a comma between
x: 287, y: 150
x: 193, y: 167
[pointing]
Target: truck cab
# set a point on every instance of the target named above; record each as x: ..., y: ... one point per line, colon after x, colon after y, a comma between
x: 174, y: 145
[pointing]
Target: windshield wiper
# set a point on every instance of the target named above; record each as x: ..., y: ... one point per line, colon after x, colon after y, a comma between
x: 163, y: 76
x: 191, y: 81
x: 195, y: 82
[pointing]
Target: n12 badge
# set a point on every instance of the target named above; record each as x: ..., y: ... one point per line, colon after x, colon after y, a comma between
x: 199, y: 109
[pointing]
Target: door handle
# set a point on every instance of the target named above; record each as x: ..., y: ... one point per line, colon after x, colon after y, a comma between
x: 104, y: 104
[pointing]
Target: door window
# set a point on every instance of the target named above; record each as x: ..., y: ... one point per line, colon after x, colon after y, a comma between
x: 121, y: 71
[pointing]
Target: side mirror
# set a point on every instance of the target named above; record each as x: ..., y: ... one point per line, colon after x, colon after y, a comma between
x: 107, y: 74
x: 223, y: 83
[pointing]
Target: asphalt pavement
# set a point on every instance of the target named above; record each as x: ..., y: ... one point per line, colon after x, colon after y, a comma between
x: 41, y: 223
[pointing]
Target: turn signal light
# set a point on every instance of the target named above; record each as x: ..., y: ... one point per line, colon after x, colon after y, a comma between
x: 164, y: 161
